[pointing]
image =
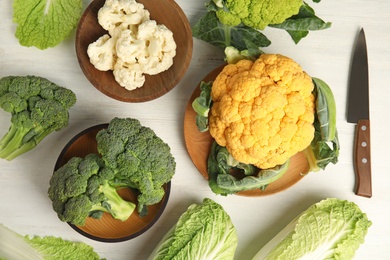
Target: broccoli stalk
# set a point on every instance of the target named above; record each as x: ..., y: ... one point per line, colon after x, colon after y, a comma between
x: 12, y: 139
x: 17, y: 141
x: 113, y: 203
x: 38, y: 107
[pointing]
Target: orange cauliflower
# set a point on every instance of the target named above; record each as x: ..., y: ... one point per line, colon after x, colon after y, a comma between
x: 263, y: 110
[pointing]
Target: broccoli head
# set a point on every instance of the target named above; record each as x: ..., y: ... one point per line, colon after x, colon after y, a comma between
x: 81, y: 188
x: 255, y: 14
x: 37, y: 106
x: 141, y: 160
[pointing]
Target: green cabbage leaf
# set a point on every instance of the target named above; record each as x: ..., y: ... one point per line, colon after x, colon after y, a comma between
x: 330, y: 229
x: 204, y: 231
x: 45, y: 23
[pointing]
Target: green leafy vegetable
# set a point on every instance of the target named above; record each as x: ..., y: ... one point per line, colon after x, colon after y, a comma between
x: 15, y: 246
x: 209, y: 29
x: 201, y: 106
x: 45, y: 24
x: 38, y: 108
x: 226, y: 163
x: 325, y: 109
x: 228, y: 176
x: 329, y: 229
x: 325, y: 147
x: 233, y: 55
x: 204, y: 231
x: 298, y: 26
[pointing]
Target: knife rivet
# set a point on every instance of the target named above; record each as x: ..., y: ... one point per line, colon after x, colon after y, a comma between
x: 364, y: 144
x: 364, y: 128
x: 364, y: 160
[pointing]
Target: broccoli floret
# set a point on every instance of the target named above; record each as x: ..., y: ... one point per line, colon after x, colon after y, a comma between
x: 38, y: 107
x: 141, y: 160
x: 82, y: 188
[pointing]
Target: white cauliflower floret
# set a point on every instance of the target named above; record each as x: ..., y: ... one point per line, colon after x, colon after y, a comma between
x: 160, y: 44
x: 129, y: 76
x: 129, y: 48
x: 134, y: 46
x: 121, y: 13
x: 102, y: 53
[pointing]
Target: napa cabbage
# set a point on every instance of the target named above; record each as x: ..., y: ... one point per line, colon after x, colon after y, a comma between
x: 204, y: 231
x: 330, y: 229
x: 45, y: 23
x: 16, y: 246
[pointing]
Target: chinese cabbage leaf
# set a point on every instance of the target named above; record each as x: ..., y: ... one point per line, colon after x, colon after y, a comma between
x: 204, y: 231
x: 45, y: 24
x: 330, y: 229
x: 15, y: 246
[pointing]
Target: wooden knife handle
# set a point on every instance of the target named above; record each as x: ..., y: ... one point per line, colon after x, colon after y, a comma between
x: 362, y: 159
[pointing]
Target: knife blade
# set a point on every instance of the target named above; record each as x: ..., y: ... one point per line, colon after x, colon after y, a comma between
x: 359, y: 113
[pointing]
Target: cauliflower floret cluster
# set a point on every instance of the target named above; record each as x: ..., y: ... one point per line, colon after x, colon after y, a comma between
x: 134, y: 46
x: 263, y: 111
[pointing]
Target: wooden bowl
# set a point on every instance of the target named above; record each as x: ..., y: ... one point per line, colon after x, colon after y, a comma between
x: 166, y: 12
x: 108, y: 229
x: 198, y: 145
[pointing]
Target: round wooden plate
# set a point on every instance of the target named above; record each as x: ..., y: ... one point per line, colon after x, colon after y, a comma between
x: 166, y: 12
x: 108, y: 229
x: 198, y: 146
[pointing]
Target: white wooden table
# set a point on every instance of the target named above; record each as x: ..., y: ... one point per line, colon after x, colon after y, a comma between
x: 25, y: 207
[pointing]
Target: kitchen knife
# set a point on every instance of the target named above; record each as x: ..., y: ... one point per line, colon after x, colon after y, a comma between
x: 358, y: 113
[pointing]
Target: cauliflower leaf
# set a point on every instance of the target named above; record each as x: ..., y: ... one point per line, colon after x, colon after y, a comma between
x: 298, y: 26
x: 209, y: 29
